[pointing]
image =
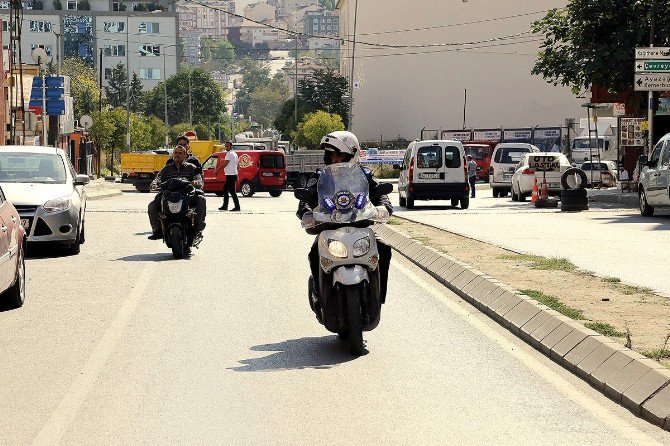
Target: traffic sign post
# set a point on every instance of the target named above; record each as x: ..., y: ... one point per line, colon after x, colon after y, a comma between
x: 651, y: 53
x: 652, y: 74
x: 653, y: 66
x: 652, y: 82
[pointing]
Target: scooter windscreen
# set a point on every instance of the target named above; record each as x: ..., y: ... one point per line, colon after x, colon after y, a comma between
x: 344, y: 196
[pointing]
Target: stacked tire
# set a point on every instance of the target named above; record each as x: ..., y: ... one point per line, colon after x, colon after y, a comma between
x: 573, y: 197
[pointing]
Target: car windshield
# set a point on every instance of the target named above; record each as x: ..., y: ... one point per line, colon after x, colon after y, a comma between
x: 476, y: 152
x: 24, y: 167
x: 510, y: 155
x: 584, y: 143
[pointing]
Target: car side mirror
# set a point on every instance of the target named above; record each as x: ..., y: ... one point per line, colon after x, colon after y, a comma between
x: 81, y: 180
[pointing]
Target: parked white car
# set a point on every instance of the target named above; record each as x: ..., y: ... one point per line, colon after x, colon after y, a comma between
x: 654, y: 184
x: 602, y: 173
x: 531, y: 167
x: 47, y: 193
x: 506, y: 157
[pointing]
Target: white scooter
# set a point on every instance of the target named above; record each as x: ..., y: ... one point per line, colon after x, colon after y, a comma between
x: 349, y: 299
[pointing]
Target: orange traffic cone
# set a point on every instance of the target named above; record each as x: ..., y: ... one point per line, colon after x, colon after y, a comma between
x: 545, y: 193
x: 534, y: 196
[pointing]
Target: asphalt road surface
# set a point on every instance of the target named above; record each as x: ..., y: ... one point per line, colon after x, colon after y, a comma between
x: 124, y: 345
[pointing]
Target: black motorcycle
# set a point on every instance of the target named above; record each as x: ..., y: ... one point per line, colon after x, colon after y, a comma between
x: 178, y: 217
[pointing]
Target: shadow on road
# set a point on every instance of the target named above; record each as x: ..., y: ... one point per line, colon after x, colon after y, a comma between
x: 660, y: 222
x: 155, y: 257
x: 304, y: 353
x: 46, y: 251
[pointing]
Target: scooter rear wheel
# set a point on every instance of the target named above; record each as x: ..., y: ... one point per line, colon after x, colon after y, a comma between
x: 354, y: 319
x: 176, y: 242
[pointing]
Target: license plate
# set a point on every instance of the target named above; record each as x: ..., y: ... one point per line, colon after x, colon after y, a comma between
x: 507, y: 176
x: 143, y: 175
x: 429, y: 176
x: 552, y: 185
x: 268, y: 174
x: 25, y: 222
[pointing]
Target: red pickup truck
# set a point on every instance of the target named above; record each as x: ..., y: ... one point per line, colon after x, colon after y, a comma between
x: 258, y: 171
x: 481, y: 152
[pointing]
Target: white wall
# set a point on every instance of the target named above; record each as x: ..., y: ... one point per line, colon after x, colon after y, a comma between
x: 399, y: 95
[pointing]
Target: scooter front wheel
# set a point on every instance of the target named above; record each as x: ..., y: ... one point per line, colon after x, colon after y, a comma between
x: 176, y: 241
x: 354, y: 319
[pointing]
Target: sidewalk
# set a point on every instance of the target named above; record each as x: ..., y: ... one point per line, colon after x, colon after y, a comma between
x: 612, y: 195
x: 100, y: 188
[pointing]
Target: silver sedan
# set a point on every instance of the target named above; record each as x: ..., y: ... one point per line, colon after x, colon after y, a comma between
x: 47, y: 193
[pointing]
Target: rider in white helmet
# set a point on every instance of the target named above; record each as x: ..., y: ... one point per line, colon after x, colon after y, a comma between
x: 343, y: 147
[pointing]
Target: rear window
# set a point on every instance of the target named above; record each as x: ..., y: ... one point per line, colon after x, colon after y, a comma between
x: 594, y: 166
x: 510, y: 155
x: 272, y: 161
x: 452, y: 157
x: 476, y: 152
x: 429, y: 157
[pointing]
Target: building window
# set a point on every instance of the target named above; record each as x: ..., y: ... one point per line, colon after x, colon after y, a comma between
x: 150, y: 50
x: 114, y: 50
x: 40, y: 26
x: 47, y: 48
x: 114, y: 27
x: 150, y: 73
x: 72, y: 4
x: 149, y: 28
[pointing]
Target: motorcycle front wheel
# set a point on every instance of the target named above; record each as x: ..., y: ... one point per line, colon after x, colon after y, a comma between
x: 354, y: 319
x: 176, y: 241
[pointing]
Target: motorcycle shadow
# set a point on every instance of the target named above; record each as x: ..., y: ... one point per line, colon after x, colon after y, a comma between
x: 155, y: 257
x: 303, y: 353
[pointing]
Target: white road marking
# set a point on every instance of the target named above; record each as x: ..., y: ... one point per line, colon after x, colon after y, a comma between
x: 607, y: 417
x: 66, y: 411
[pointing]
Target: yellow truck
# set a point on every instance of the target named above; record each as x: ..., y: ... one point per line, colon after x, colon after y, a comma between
x: 141, y: 168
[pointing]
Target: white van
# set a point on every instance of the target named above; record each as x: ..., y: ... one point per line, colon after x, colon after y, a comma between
x: 434, y: 170
x: 505, y: 158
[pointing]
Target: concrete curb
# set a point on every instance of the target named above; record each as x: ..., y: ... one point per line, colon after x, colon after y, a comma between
x: 628, y: 378
x: 100, y: 194
x: 629, y: 199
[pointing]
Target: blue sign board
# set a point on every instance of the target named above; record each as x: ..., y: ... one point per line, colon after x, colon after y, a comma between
x: 55, y: 104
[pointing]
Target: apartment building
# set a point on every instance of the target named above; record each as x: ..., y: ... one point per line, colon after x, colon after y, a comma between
x: 211, y: 21
x: 140, y: 33
x: 260, y: 12
x: 408, y: 85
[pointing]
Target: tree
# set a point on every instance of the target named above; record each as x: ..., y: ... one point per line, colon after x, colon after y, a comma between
x: 216, y: 54
x: 83, y: 86
x: 592, y: 42
x: 207, y: 98
x: 266, y: 102
x: 136, y: 93
x: 314, y: 125
x: 254, y: 76
x: 117, y: 86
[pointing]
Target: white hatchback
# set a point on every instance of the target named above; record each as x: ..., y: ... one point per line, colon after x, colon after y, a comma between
x: 506, y: 157
x: 548, y: 166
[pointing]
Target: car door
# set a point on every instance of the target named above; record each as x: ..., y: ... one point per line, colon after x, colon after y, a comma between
x: 664, y: 176
x: 213, y: 179
x: 6, y: 270
x: 403, y: 179
x: 652, y: 174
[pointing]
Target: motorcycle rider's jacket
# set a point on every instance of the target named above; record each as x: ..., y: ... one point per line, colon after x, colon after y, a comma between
x: 191, y: 159
x: 377, y: 200
x: 187, y: 171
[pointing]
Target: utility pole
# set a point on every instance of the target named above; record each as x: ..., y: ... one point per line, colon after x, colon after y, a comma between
x: 190, y: 107
x: 295, y: 84
x: 127, y: 91
x: 650, y: 96
x: 465, y: 107
x: 167, y: 126
x: 351, y: 80
x: 100, y: 70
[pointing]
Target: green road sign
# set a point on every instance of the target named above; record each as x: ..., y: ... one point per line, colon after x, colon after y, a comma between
x: 652, y: 66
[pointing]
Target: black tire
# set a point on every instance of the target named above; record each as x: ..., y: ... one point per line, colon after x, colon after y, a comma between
x: 354, y: 319
x: 465, y: 202
x: 176, y: 241
x: 496, y: 192
x: 82, y: 233
x: 522, y: 197
x: 403, y: 201
x: 275, y: 193
x: 454, y: 202
x: 486, y: 179
x: 568, y: 194
x: 410, y: 201
x: 645, y: 209
x: 503, y: 193
x: 515, y: 197
x: 573, y: 171
x: 302, y: 181
x: 247, y: 189
x: 16, y: 295
x: 75, y: 247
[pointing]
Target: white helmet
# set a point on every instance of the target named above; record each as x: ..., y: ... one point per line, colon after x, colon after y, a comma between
x: 341, y: 142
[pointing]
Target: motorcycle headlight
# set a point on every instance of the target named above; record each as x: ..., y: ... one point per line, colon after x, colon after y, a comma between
x: 174, y: 208
x: 361, y: 247
x: 338, y: 249
x: 57, y: 205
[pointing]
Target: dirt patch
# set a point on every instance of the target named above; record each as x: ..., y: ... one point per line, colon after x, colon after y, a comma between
x: 636, y: 313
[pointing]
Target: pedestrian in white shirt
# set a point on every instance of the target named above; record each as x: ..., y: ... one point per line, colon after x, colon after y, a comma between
x: 230, y: 169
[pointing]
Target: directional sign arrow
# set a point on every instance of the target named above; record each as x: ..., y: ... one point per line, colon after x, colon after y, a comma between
x: 652, y: 82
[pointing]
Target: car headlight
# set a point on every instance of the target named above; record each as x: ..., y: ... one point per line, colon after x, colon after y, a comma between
x: 175, y: 208
x: 361, y: 247
x: 338, y: 249
x: 57, y: 205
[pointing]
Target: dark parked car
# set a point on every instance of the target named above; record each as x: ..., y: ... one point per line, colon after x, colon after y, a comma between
x: 12, y: 252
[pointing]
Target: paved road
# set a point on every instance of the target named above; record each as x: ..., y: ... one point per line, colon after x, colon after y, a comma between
x: 608, y: 240
x: 124, y: 345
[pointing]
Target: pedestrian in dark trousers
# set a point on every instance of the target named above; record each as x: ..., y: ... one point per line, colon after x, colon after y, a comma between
x: 230, y: 169
x: 472, y: 175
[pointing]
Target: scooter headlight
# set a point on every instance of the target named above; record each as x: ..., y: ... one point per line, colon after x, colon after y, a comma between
x: 361, y: 247
x: 174, y: 208
x: 338, y: 249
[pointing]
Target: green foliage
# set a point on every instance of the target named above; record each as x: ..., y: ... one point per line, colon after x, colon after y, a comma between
x: 117, y: 88
x: 254, y: 76
x: 136, y: 93
x: 553, y: 303
x: 216, y: 54
x: 140, y: 7
x: 266, y: 102
x: 543, y: 263
x: 313, y: 126
x: 590, y: 42
x: 605, y: 329
x: 207, y: 98
x: 83, y: 86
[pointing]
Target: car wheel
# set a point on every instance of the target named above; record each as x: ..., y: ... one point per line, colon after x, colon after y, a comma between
x: 410, y: 202
x: 465, y: 202
x: 454, y: 202
x: 503, y: 193
x: 521, y: 196
x: 302, y: 181
x: 403, y: 202
x: 515, y: 197
x: 496, y: 192
x: 82, y: 235
x: 275, y: 193
x: 16, y: 295
x: 247, y: 189
x: 645, y: 209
